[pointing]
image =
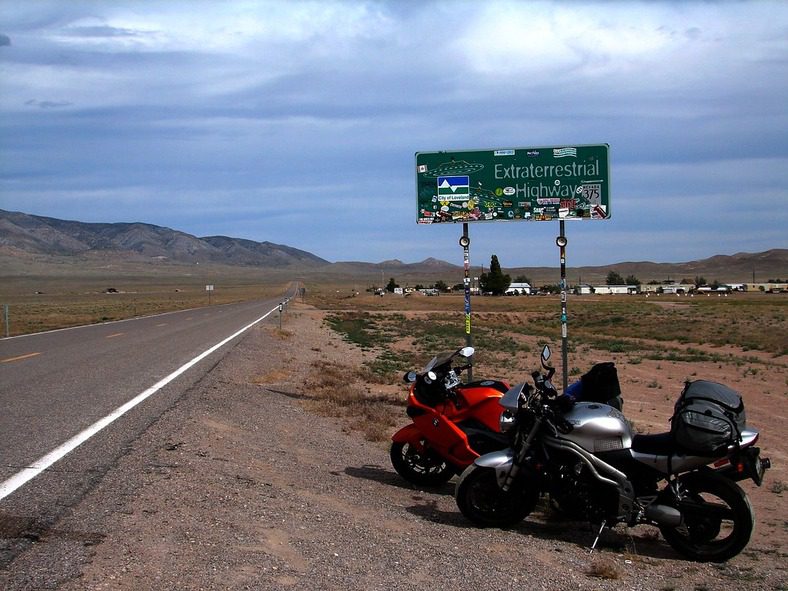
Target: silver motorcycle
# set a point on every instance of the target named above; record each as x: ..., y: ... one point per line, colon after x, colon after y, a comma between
x: 585, y: 457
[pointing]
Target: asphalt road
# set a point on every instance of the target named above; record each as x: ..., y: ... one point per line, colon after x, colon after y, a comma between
x: 55, y: 385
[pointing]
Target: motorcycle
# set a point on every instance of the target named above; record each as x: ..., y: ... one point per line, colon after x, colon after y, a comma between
x: 585, y: 457
x: 453, y: 422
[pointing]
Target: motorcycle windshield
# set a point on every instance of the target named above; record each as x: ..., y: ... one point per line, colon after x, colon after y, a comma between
x: 438, y: 360
x: 510, y: 400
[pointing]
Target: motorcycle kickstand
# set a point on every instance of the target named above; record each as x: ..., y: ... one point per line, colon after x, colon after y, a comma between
x: 598, y: 535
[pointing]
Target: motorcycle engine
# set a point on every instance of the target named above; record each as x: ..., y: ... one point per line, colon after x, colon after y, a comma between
x: 577, y: 495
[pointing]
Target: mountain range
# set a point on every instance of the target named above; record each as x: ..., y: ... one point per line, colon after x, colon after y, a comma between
x: 23, y: 236
x: 50, y: 236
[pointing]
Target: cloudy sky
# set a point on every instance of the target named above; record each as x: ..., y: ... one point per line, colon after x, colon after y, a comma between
x: 297, y: 122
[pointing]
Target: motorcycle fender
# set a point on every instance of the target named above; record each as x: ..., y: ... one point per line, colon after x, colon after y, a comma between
x: 496, y: 459
x: 501, y: 461
x: 408, y: 434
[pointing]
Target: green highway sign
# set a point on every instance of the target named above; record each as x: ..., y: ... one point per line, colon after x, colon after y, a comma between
x: 536, y: 184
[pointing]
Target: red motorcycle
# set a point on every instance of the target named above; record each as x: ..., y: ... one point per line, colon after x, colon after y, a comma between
x: 453, y: 423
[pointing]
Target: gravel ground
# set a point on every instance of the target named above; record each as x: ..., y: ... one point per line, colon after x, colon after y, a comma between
x: 239, y: 486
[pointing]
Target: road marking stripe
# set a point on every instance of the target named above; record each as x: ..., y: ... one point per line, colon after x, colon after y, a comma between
x: 27, y: 474
x: 112, y: 336
x: 19, y: 358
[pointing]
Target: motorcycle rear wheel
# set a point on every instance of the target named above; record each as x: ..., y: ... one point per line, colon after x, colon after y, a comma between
x: 718, y: 519
x: 419, y: 468
x: 482, y: 501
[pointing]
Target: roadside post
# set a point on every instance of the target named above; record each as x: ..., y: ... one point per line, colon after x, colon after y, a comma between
x: 281, y: 307
x: 209, y: 289
x: 465, y: 242
x: 561, y: 242
x: 5, y: 319
x: 515, y: 184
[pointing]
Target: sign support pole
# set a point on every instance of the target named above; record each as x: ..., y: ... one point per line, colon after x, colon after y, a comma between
x: 465, y: 242
x: 561, y: 243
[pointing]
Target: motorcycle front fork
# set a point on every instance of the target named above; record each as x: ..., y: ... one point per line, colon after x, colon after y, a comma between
x: 519, y: 458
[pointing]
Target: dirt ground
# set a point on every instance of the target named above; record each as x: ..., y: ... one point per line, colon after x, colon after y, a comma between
x: 242, y: 485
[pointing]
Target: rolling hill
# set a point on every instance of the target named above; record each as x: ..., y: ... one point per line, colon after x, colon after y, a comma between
x: 30, y: 243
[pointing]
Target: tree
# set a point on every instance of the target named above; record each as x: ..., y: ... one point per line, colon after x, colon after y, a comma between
x: 392, y: 285
x: 632, y: 280
x: 441, y: 286
x: 494, y: 282
x: 522, y: 279
x: 614, y: 278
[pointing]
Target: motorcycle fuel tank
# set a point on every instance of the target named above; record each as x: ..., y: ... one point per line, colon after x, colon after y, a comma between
x: 598, y: 427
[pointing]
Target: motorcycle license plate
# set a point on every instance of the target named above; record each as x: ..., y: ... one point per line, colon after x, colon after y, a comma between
x: 747, y: 464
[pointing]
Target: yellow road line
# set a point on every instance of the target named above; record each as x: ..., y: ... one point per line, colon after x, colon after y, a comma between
x: 112, y: 336
x: 27, y: 356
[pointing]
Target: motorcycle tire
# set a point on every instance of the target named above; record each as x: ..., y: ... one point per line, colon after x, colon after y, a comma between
x: 419, y: 468
x: 718, y: 519
x: 482, y: 501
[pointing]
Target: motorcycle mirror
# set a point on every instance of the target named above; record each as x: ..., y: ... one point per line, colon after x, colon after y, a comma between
x: 467, y: 351
x: 431, y: 376
x: 410, y: 377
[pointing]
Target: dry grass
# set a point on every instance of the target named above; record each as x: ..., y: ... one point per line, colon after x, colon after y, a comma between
x: 37, y: 305
x: 339, y: 391
x: 604, y: 568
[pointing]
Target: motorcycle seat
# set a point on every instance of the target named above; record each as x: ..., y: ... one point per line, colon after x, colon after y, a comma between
x: 660, y: 444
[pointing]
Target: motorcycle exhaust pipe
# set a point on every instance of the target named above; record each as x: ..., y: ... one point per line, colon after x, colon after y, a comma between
x: 664, y: 515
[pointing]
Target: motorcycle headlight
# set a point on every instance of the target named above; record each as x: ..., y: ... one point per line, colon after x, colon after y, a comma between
x: 506, y: 421
x: 451, y: 381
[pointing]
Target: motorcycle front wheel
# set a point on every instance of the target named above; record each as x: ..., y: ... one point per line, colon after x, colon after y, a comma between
x: 717, y: 519
x: 419, y: 468
x: 482, y: 501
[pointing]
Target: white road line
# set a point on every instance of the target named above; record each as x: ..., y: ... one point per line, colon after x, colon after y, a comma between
x: 30, y: 472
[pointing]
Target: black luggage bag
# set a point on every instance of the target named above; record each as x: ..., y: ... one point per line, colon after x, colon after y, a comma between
x: 708, y: 417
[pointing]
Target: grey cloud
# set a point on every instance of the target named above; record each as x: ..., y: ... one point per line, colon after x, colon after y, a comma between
x: 101, y: 31
x: 5, y: 40
x: 47, y: 104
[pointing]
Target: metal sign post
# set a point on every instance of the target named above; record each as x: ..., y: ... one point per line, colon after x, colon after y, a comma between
x: 465, y: 242
x: 561, y: 243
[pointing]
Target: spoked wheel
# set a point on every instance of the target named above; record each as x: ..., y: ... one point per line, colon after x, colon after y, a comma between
x: 419, y: 468
x: 718, y: 519
x: 482, y: 501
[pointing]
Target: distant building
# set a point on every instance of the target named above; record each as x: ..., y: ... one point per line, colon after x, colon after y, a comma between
x: 585, y: 289
x: 766, y: 287
x: 518, y: 289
